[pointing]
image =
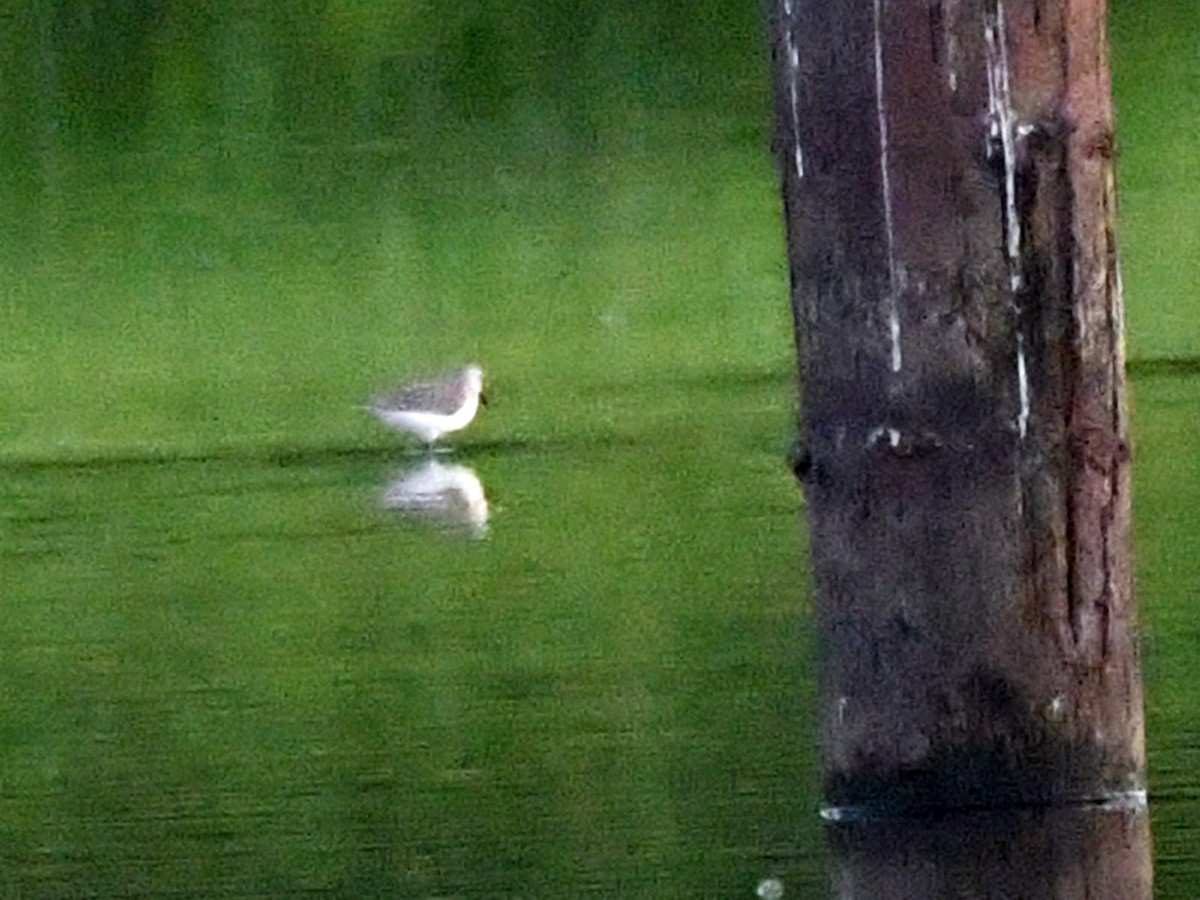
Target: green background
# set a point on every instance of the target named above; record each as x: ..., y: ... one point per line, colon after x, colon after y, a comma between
x: 224, y: 669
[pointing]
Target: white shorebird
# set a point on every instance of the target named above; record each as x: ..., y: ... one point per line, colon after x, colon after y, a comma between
x: 429, y: 409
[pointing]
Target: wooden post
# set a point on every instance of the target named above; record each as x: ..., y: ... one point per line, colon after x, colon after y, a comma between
x: 949, y: 201
x: 1070, y: 853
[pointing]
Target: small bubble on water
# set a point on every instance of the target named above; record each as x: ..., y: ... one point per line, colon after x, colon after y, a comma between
x: 769, y: 889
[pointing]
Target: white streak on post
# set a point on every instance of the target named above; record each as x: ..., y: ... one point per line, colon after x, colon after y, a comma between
x: 952, y: 62
x: 1117, y: 317
x: 793, y: 73
x: 1022, y: 387
x: 885, y: 174
x: 1002, y: 125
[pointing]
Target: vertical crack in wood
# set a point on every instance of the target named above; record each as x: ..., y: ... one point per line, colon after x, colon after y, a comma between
x: 937, y: 31
x: 1099, y: 583
x: 787, y: 148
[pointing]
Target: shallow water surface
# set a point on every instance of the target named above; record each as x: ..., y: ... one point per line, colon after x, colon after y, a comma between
x: 258, y: 675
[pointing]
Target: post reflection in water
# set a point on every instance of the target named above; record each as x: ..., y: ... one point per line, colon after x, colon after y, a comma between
x: 448, y: 495
x: 1098, y: 852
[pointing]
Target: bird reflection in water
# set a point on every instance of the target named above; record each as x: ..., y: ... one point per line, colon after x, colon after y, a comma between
x: 445, y: 494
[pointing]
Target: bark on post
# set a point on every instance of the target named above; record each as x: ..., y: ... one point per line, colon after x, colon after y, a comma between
x: 948, y: 191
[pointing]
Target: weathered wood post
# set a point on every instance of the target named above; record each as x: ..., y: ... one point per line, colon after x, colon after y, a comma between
x: 947, y: 170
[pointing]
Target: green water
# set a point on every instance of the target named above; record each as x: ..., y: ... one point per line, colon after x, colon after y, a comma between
x: 227, y: 669
x: 243, y: 673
